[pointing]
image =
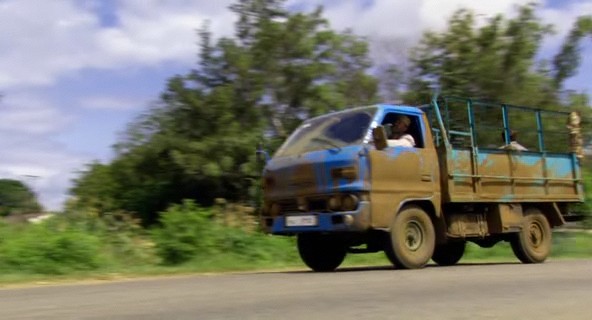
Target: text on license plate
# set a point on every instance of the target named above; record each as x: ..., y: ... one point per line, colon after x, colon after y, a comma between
x: 301, y: 221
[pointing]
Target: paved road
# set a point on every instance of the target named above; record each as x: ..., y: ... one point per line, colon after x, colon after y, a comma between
x: 554, y: 290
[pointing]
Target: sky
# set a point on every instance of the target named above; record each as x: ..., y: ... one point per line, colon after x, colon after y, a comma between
x: 74, y: 73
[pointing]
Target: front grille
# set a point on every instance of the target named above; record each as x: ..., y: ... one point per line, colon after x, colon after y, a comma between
x: 314, y: 204
x: 317, y: 205
x: 288, y: 206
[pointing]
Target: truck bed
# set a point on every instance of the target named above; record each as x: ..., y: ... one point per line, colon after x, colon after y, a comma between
x: 510, y: 176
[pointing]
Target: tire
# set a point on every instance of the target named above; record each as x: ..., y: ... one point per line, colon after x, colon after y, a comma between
x: 449, y: 253
x: 412, y: 239
x: 533, y: 243
x: 321, y: 253
x: 388, y: 251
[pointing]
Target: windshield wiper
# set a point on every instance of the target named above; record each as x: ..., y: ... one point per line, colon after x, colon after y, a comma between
x: 327, y: 141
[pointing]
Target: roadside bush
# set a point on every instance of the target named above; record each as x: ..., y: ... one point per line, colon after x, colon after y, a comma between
x: 123, y: 241
x: 49, y: 248
x: 188, y: 232
x: 256, y: 247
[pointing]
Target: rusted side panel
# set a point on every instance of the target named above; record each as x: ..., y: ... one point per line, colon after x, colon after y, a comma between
x: 562, y: 172
x: 491, y: 166
x: 399, y: 175
x: 511, y: 176
x: 528, y: 171
x: 460, y: 184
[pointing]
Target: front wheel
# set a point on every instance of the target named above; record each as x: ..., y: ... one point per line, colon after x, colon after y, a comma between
x: 533, y: 243
x: 412, y: 239
x: 449, y: 253
x: 321, y: 253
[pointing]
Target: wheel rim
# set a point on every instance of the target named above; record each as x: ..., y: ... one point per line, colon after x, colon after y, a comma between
x: 536, y: 235
x: 414, y: 235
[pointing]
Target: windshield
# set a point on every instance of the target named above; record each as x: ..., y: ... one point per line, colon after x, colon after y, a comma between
x: 332, y: 131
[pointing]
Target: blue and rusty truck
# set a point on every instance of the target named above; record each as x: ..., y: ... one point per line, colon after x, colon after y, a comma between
x: 338, y: 186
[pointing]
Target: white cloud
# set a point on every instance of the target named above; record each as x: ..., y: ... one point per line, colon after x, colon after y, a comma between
x: 563, y: 20
x: 112, y: 103
x: 404, y: 18
x: 564, y: 17
x: 20, y: 115
x: 28, y: 152
x: 395, y: 26
x: 152, y: 31
x: 42, y: 40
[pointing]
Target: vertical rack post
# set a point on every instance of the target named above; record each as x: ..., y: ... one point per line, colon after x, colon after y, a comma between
x: 474, y: 149
x: 541, y: 139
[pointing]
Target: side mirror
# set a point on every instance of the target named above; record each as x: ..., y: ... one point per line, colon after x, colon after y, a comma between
x: 262, y: 155
x: 379, y: 137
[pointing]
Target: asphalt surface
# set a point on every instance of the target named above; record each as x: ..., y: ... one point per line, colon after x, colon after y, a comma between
x: 553, y: 290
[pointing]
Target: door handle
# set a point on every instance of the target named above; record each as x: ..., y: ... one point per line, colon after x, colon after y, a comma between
x: 426, y: 177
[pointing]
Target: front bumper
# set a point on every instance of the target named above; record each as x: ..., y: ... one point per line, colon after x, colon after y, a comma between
x: 348, y: 221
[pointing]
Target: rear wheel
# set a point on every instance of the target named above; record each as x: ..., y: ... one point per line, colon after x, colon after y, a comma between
x: 449, y: 253
x: 321, y: 253
x: 533, y: 243
x: 412, y: 239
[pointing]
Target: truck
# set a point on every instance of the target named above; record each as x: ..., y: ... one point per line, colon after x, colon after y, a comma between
x: 338, y: 186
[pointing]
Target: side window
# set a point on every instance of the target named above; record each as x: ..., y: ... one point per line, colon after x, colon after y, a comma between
x: 414, y: 128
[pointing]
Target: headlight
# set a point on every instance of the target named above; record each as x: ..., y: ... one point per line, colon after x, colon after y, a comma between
x: 349, y: 202
x: 334, y: 203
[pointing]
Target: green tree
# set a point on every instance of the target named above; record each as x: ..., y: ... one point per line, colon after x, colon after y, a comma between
x: 17, y: 198
x: 198, y: 141
x: 498, y: 62
x: 495, y: 61
x: 95, y: 187
x: 568, y: 59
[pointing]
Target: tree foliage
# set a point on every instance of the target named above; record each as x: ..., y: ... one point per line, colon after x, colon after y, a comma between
x: 198, y: 141
x: 494, y: 61
x: 17, y: 198
x: 497, y: 61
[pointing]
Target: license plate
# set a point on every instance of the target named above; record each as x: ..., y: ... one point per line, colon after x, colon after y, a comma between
x: 301, y: 221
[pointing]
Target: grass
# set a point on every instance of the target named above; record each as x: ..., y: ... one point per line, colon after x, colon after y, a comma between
x: 82, y: 248
x: 566, y: 245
